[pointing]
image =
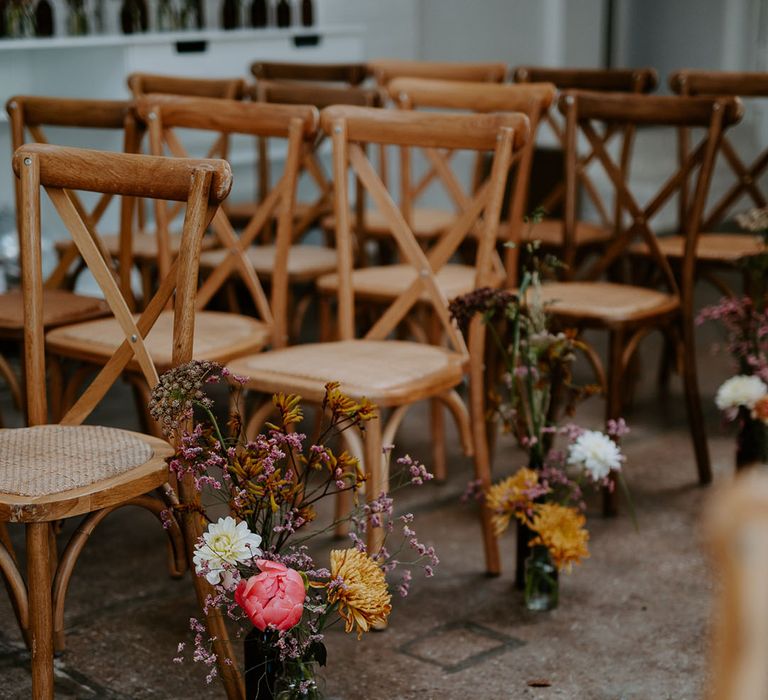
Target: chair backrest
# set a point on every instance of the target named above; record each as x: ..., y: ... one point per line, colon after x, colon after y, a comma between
x: 349, y: 73
x: 533, y: 100
x: 584, y: 111
x: 29, y: 116
x: 629, y: 80
x: 385, y: 69
x: 201, y: 184
x: 747, y: 175
x: 321, y: 96
x: 350, y: 129
x: 298, y: 125
x: 223, y: 88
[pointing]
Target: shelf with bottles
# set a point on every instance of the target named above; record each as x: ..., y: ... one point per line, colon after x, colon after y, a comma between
x: 23, y: 20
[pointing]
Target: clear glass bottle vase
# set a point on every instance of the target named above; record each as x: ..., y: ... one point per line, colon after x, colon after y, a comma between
x: 542, y: 585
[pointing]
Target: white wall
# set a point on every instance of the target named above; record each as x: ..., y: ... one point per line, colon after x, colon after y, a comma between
x: 391, y: 26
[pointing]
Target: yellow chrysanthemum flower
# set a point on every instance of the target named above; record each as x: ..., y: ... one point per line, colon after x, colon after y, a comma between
x: 510, y: 497
x: 359, y: 587
x: 561, y: 530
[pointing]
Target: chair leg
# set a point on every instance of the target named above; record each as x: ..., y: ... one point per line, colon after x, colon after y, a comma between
x: 214, y: 621
x: 687, y: 360
x: 482, y: 450
x: 378, y: 479
x: 437, y: 416
x: 613, y: 405
x: 40, y: 610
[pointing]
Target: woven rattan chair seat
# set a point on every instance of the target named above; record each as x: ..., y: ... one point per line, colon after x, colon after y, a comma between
x: 59, y: 307
x: 427, y: 223
x: 388, y: 372
x: 53, y: 471
x: 219, y: 336
x: 710, y: 247
x: 386, y: 282
x: 606, y: 301
x: 305, y: 262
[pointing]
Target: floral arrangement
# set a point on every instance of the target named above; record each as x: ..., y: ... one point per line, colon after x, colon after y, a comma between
x: 743, y: 398
x: 256, y: 557
x: 535, y: 393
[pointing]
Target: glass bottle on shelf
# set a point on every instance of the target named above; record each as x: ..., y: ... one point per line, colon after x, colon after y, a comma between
x: 165, y: 16
x: 43, y: 19
x: 77, y: 18
x: 307, y: 13
x: 230, y: 14
x: 133, y: 16
x: 259, y: 13
x: 19, y: 19
x: 283, y: 13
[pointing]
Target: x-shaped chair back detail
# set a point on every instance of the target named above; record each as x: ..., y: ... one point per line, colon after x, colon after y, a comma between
x: 201, y: 184
x: 533, y: 100
x: 747, y: 175
x: 28, y: 115
x: 295, y: 123
x: 222, y: 88
x: 350, y: 129
x: 633, y: 81
x: 384, y: 70
x: 320, y: 96
x: 350, y: 73
x: 585, y: 109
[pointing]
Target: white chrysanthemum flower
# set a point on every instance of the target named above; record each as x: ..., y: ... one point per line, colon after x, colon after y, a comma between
x: 741, y: 390
x: 225, y: 543
x: 596, y: 454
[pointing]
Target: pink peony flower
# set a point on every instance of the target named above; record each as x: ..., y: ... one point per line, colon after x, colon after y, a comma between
x: 275, y: 597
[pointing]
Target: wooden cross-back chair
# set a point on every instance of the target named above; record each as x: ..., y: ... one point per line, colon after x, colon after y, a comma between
x: 152, y: 260
x: 573, y: 245
x: 380, y: 284
x: 29, y: 117
x: 393, y: 374
x: 53, y: 471
x: 219, y: 335
x: 307, y: 262
x: 239, y: 255
x: 630, y: 312
x: 350, y: 73
x: 427, y: 222
x: 721, y: 250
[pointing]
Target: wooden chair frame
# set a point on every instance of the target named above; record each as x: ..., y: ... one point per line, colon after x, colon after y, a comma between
x: 203, y: 184
x: 582, y: 110
x: 297, y: 124
x: 28, y: 115
x: 319, y: 96
x: 350, y: 73
x: 716, y: 83
x: 633, y: 81
x: 350, y: 128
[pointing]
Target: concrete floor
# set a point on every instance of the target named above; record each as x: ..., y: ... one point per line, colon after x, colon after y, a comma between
x: 632, y: 621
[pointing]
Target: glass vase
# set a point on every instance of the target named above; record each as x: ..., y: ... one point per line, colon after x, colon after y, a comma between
x: 267, y: 677
x: 752, y: 441
x: 542, y: 586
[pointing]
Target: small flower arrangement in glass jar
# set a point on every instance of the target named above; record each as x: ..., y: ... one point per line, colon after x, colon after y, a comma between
x: 256, y: 557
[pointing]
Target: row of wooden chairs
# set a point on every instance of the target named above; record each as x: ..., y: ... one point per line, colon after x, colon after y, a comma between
x: 393, y: 373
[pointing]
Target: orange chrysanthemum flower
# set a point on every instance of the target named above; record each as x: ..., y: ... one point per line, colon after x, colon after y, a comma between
x: 511, y: 497
x: 561, y: 530
x: 359, y: 587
